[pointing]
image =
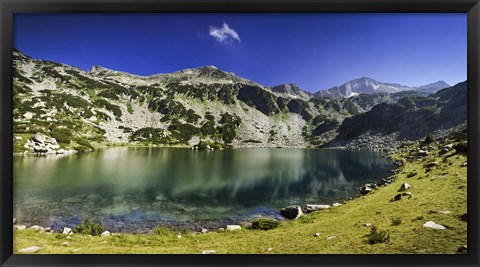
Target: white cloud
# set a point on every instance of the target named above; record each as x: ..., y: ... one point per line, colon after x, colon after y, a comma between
x: 224, y: 34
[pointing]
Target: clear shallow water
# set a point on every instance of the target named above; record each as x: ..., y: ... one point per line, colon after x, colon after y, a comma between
x: 136, y: 189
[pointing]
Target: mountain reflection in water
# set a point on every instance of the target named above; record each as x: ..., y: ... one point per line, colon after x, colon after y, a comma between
x: 139, y: 187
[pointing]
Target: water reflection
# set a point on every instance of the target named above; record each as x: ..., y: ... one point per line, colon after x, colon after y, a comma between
x: 172, y: 184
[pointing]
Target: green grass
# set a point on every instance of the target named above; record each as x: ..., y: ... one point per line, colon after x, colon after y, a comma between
x: 431, y: 191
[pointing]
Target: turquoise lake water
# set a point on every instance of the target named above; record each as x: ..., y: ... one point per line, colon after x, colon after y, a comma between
x: 135, y: 189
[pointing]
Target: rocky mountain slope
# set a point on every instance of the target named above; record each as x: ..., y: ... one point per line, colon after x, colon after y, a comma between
x: 99, y: 107
x: 367, y: 86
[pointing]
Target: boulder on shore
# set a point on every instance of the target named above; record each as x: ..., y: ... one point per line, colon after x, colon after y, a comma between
x: 233, y: 227
x: 292, y: 212
x: 39, y: 138
x: 366, y: 189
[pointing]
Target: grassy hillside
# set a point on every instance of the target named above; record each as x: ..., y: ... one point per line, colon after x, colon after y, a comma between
x: 441, y: 188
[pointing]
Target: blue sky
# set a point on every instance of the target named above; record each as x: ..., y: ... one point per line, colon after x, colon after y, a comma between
x: 315, y: 51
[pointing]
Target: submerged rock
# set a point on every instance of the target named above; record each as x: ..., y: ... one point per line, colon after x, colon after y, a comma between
x: 67, y: 231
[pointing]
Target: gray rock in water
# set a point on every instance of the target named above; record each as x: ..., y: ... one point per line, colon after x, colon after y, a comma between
x: 431, y: 224
x: 209, y: 251
x: 67, y: 230
x: 31, y: 249
x: 404, y: 187
x: 48, y: 229
x: 315, y: 207
x: 462, y: 249
x: 40, y: 149
x: 65, y: 243
x: 39, y: 138
x: 336, y: 204
x: 292, y: 212
x: 221, y: 229
x: 367, y: 224
x: 317, y: 234
x: 233, y: 227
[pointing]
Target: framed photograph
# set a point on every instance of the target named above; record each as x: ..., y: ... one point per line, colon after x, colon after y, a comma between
x: 170, y: 133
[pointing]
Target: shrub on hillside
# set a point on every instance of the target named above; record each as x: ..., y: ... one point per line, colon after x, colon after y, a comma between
x: 378, y: 236
x: 396, y: 221
x: 88, y: 227
x: 429, y: 139
x: 265, y: 224
x: 62, y: 135
x: 163, y: 231
x: 461, y: 147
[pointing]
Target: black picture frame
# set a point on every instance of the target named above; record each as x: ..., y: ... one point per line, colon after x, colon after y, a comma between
x: 10, y: 7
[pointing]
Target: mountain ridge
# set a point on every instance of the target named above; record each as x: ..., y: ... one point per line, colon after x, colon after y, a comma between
x: 103, y: 106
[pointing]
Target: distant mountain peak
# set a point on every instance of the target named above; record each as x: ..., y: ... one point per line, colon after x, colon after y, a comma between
x: 290, y: 89
x: 366, y: 85
x: 99, y: 69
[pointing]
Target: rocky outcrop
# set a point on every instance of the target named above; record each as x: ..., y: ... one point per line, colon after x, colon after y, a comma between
x: 404, y: 187
x: 401, y: 196
x: 292, y: 212
x: 42, y: 144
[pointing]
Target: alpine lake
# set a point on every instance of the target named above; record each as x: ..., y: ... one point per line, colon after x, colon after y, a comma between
x: 135, y: 189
